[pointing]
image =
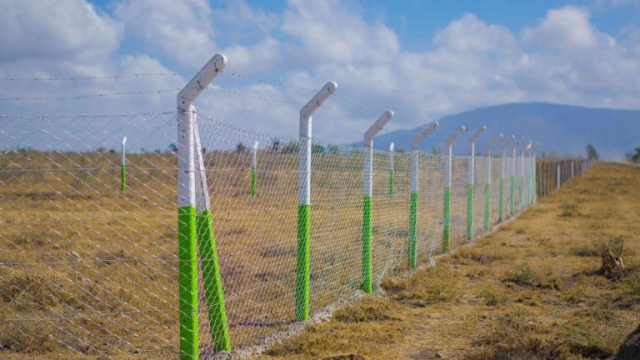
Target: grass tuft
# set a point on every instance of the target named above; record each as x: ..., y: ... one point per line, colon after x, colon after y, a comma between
x: 368, y: 309
x: 492, y: 297
x: 569, y: 209
x: 481, y: 256
x: 425, y: 287
x: 523, y: 275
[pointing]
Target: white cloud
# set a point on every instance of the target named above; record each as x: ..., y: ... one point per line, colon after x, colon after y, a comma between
x: 329, y: 31
x: 239, y: 15
x: 69, y: 38
x: 180, y: 29
x: 471, y: 63
x: 565, y: 28
x: 470, y: 34
x: 257, y: 58
x: 70, y: 30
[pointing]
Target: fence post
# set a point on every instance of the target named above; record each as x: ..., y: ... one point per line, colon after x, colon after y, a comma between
x: 213, y: 290
x: 304, y: 200
x: 572, y: 168
x: 254, y: 169
x: 551, y: 173
x: 503, y: 168
x: 512, y: 184
x: 446, y: 222
x: 523, y: 177
x: 534, y: 175
x: 558, y: 175
x: 367, y: 265
x: 187, y: 252
x: 487, y: 185
x: 123, y: 172
x: 471, y: 185
x: 528, y: 171
x: 392, y: 173
x: 413, y: 206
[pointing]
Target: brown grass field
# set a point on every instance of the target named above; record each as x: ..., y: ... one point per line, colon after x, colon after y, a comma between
x: 87, y: 272
x: 531, y: 290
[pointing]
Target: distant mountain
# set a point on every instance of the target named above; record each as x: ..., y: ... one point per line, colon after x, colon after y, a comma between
x: 563, y: 129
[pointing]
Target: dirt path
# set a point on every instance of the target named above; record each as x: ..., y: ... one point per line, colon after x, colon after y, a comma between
x: 529, y: 291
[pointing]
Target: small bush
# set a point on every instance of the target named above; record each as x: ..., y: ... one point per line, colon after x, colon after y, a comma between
x: 586, y: 251
x: 523, y: 275
x: 425, y: 287
x: 516, y: 336
x: 481, y: 257
x: 569, y: 210
x: 492, y: 297
x: 366, y: 310
x: 587, y: 342
x: 28, y: 338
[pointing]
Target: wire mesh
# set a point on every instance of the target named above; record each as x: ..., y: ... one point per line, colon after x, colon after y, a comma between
x: 86, y: 270
x: 89, y: 271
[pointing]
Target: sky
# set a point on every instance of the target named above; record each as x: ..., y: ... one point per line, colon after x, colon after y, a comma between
x: 421, y: 59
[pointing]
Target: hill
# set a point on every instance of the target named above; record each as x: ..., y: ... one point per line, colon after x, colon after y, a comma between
x: 563, y: 129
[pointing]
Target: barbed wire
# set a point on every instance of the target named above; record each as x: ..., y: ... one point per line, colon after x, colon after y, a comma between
x: 99, y: 77
x: 88, y: 96
x: 251, y: 96
x: 51, y: 116
x: 267, y: 82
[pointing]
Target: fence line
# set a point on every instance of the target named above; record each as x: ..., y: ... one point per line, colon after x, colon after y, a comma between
x: 266, y: 236
x: 95, y: 269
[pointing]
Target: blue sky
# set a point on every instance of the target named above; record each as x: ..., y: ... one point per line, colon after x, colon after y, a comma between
x: 416, y: 22
x: 423, y: 59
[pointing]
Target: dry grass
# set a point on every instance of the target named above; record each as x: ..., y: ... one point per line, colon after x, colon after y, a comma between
x: 530, y: 291
x: 97, y: 270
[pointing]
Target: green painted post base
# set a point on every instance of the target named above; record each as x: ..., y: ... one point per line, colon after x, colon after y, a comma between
x: 534, y: 189
x: 512, y: 191
x: 446, y: 232
x: 213, y: 289
x: 470, y: 199
x: 392, y: 183
x: 254, y: 182
x: 487, y: 206
x: 188, y: 283
x: 123, y: 179
x: 521, y: 187
x: 501, y: 204
x: 302, y: 263
x: 413, y: 229
x: 367, y: 266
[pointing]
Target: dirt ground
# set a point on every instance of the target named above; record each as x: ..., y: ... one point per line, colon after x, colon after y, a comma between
x: 531, y: 290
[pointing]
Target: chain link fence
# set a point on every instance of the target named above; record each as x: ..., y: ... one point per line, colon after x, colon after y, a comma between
x: 88, y: 245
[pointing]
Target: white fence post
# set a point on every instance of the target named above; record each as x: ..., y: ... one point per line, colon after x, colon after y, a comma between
x: 487, y: 184
x: 187, y: 243
x: 512, y: 184
x: 446, y: 222
x: 534, y: 171
x: 123, y: 171
x: 413, y: 210
x: 471, y: 185
x: 304, y: 200
x: 503, y: 170
x: 392, y: 171
x: 523, y: 151
x: 254, y: 169
x: 367, y: 226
